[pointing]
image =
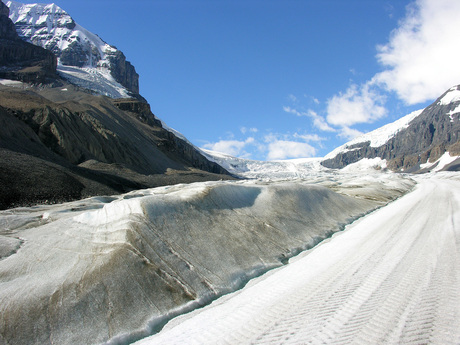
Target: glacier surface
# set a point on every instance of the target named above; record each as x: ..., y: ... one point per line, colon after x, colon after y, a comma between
x: 116, y: 268
x: 391, y: 278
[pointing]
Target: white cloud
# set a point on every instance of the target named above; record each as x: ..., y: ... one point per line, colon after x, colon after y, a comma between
x: 420, y: 62
x: 318, y: 121
x: 283, y: 149
x: 270, y: 145
x: 309, y: 137
x: 230, y: 147
x: 361, y: 104
x: 293, y: 111
x: 349, y: 133
x: 422, y: 55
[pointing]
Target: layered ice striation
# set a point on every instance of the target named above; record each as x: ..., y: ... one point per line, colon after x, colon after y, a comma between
x: 116, y: 268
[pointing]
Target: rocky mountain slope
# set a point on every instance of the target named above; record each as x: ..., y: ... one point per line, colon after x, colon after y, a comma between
x: 61, y: 142
x: 83, y: 57
x: 411, y: 143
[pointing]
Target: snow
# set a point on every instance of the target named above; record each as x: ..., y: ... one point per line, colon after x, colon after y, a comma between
x: 440, y: 164
x: 13, y: 83
x: 453, y: 112
x: 390, y: 277
x: 452, y: 95
x: 302, y: 168
x: 267, y: 170
x: 366, y: 164
x: 97, y: 79
x: 47, y: 26
x: 112, y: 212
x: 379, y: 136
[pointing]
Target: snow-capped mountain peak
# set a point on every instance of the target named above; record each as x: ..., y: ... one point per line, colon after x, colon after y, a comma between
x: 377, y: 137
x: 451, y: 96
x: 83, y: 57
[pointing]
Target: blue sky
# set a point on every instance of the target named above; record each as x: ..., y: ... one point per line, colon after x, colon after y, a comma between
x: 266, y: 79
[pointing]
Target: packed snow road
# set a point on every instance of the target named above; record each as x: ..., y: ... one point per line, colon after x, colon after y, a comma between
x: 391, y: 277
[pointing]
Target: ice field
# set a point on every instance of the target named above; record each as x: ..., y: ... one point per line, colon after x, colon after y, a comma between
x: 391, y: 277
x: 116, y: 269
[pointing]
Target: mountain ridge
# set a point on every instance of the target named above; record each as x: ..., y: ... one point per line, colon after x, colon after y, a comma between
x: 83, y: 57
x: 423, y: 137
x: 79, y: 142
x: 389, y: 147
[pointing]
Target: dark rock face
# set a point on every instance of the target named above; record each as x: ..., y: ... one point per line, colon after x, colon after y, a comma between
x: 82, y: 145
x: 74, y: 55
x: 140, y: 110
x: 435, y: 131
x: 7, y: 28
x: 20, y: 60
x: 124, y: 72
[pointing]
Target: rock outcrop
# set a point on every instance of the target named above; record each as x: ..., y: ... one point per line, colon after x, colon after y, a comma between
x: 20, y: 60
x: 429, y: 135
x: 7, y: 28
x: 123, y: 71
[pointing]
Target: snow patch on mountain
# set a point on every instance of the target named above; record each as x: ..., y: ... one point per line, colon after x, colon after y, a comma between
x: 453, y: 112
x: 441, y: 163
x: 377, y: 137
x: 11, y: 83
x: 366, y: 164
x: 451, y: 96
x: 97, y: 79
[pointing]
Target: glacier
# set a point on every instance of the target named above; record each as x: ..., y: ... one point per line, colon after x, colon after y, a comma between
x: 391, y: 278
x: 117, y: 268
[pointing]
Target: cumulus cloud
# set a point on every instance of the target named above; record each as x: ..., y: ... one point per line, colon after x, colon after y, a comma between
x: 286, y: 146
x: 269, y: 145
x: 420, y: 62
x: 230, y: 147
x: 361, y: 104
x: 349, y: 133
x: 283, y: 149
x: 423, y: 54
x: 319, y: 122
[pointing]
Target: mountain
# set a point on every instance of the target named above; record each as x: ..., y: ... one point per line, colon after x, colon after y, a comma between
x: 83, y: 57
x: 63, y: 143
x: 422, y: 141
x: 412, y: 144
x: 60, y: 141
x: 112, y: 267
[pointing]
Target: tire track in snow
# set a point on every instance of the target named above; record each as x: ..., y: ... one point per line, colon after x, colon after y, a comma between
x: 391, y: 277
